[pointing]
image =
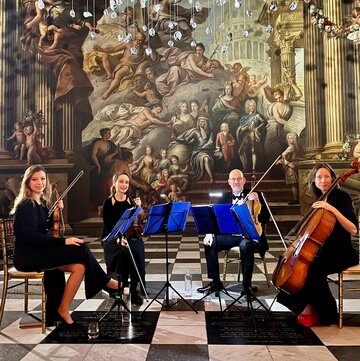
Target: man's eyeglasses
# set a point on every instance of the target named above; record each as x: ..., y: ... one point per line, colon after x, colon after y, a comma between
x: 236, y: 179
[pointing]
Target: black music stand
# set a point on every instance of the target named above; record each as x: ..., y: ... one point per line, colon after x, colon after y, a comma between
x: 242, y: 216
x: 215, y: 219
x: 121, y: 226
x: 163, y: 219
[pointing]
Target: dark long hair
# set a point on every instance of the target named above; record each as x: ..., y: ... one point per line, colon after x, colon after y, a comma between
x: 315, y: 191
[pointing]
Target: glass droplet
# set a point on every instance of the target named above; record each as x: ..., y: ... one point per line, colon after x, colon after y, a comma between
x: 148, y: 51
x: 93, y: 35
x: 293, y: 5
x: 157, y: 8
x: 134, y: 50
x: 41, y: 4
x: 222, y: 26
x: 177, y: 35
x: 113, y: 15
x: 224, y: 48
x: 72, y: 13
x: 193, y: 44
x: 105, y: 12
x: 170, y: 43
x: 269, y: 29
x: 120, y: 37
x: 144, y: 28
x: 198, y: 6
x: 151, y: 32
x: 208, y: 30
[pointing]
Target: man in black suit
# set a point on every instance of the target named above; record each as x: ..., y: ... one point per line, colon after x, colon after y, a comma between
x: 213, y: 245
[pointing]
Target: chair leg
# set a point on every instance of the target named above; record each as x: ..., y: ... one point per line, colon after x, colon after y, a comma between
x: 43, y: 307
x: 3, y: 297
x: 341, y: 300
x: 266, y: 272
x: 239, y: 269
x: 225, y: 265
x: 26, y: 298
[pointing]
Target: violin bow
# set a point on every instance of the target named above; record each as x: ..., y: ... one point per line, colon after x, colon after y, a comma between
x: 52, y: 209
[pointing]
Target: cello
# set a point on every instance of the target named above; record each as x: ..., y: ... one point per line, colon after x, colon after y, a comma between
x: 313, y: 230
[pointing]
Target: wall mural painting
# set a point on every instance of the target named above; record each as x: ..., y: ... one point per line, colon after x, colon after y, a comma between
x: 180, y: 91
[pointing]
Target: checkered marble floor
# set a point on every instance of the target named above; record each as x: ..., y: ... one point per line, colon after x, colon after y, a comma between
x: 180, y: 333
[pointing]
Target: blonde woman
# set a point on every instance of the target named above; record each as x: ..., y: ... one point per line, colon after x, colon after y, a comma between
x: 37, y: 250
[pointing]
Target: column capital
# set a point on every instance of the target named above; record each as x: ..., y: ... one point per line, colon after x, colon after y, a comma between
x: 286, y: 40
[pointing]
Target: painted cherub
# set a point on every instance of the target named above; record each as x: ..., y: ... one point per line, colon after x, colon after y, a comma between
x: 175, y: 193
x: 20, y: 141
x: 31, y: 132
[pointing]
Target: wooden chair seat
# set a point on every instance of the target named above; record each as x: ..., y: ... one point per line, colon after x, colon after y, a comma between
x: 351, y: 271
x: 10, y: 272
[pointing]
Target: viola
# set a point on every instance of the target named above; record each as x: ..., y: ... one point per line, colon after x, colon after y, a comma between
x: 313, y: 230
x: 136, y: 229
x: 255, y: 208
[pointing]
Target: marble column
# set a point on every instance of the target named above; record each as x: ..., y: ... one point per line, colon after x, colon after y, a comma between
x: 71, y: 125
x: 7, y: 79
x: 356, y: 119
x: 339, y: 108
x: 275, y: 64
x: 314, y: 90
x: 44, y: 100
x: 285, y: 40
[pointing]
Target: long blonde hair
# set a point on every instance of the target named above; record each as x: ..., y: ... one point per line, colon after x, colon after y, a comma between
x: 25, y: 191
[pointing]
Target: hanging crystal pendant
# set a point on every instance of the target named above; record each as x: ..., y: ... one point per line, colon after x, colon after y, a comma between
x: 229, y: 36
x: 157, y: 8
x: 245, y: 33
x: 87, y: 14
x: 143, y: 4
x: 238, y: 3
x: 113, y: 15
x: 170, y: 43
x: 249, y: 13
x: 41, y: 4
x: 105, y: 12
x: 293, y: 5
x: 134, y: 50
x: 177, y: 35
x: 120, y: 37
x: 190, y: 1
x: 148, y: 51
x: 144, y: 28
x: 93, y: 35
x: 72, y: 13
x: 269, y: 29
x: 128, y: 37
x: 198, y: 6
x: 193, y: 44
x: 151, y: 32
x: 273, y: 7
x: 208, y: 30
x: 222, y: 26
x: 171, y: 25
x: 224, y: 48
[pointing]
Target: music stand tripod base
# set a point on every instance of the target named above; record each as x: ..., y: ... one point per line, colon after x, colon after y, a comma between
x: 250, y: 298
x: 220, y: 288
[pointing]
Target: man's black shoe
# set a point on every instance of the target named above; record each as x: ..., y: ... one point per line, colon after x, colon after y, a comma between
x: 136, y: 299
x: 211, y: 287
x: 254, y: 288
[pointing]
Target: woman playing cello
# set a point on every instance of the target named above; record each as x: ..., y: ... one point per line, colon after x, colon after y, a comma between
x: 314, y: 302
x: 37, y: 250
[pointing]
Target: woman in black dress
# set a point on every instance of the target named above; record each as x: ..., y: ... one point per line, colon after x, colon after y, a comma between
x: 314, y: 302
x: 37, y: 250
x: 117, y: 257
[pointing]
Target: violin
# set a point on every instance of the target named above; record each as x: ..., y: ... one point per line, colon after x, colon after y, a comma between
x: 313, y: 230
x: 255, y: 208
x: 58, y: 216
x: 136, y: 229
x: 58, y: 219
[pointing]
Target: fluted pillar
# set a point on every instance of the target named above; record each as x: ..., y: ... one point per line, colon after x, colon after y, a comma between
x: 275, y: 64
x: 71, y: 130
x: 7, y: 80
x: 356, y: 88
x: 314, y: 90
x: 339, y: 108
x: 286, y: 40
x: 44, y: 97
